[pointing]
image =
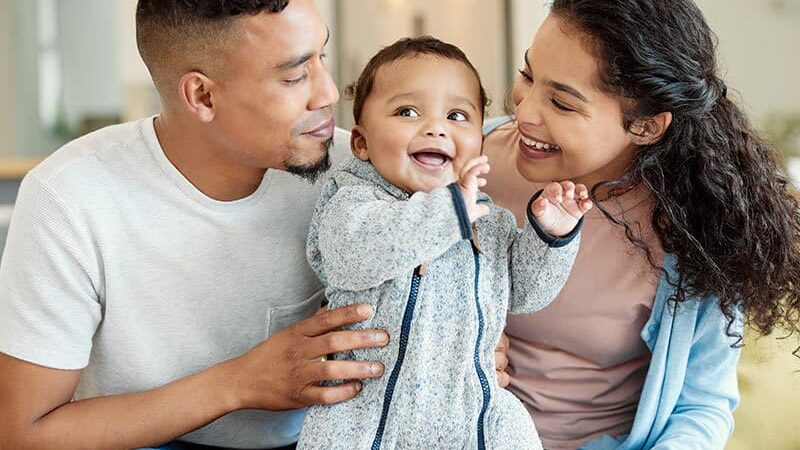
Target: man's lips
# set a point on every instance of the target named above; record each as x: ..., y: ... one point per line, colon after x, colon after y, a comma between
x: 324, y: 131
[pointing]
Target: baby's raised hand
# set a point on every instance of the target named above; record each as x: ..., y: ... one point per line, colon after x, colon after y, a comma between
x: 471, y: 180
x: 560, y: 207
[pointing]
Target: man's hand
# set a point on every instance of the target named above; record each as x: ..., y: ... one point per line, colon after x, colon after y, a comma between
x: 501, y: 361
x: 471, y: 181
x: 285, y: 371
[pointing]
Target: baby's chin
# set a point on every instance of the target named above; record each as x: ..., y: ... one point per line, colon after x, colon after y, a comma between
x: 428, y: 186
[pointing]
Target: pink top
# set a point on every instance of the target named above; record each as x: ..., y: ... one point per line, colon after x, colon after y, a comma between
x: 579, y: 364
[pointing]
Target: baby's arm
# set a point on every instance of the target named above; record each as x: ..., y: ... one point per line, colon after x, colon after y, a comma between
x: 364, y: 240
x: 543, y: 254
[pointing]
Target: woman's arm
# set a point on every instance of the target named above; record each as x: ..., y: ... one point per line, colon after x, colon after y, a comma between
x: 703, y: 415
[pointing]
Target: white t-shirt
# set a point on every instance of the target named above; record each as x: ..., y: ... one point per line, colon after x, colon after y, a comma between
x: 116, y: 264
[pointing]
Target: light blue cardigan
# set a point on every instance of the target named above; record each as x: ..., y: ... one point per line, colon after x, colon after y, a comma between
x: 690, y: 391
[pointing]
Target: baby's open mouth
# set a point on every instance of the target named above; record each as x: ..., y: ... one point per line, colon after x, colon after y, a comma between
x: 433, y: 158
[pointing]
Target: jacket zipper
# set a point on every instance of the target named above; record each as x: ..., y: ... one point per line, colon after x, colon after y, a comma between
x: 405, y: 330
x: 476, y: 357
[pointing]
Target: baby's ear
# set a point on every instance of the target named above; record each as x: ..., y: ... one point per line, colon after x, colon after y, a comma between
x: 358, y: 143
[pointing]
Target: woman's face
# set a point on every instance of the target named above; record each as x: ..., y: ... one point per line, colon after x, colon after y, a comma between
x: 569, y: 128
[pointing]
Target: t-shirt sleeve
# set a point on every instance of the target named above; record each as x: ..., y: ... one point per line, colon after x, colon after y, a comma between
x: 49, y: 302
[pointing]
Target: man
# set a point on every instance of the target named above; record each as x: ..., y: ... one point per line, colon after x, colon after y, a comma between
x: 154, y: 269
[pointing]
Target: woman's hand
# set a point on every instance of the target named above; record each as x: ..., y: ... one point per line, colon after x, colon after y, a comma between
x: 501, y: 361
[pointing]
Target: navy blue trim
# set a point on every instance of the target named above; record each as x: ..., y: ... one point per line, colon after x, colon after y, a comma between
x: 484, y: 382
x: 549, y: 239
x: 461, y: 211
x: 405, y: 331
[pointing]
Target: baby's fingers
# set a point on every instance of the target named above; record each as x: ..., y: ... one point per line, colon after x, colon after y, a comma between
x: 568, y: 188
x: 554, y: 192
x: 472, y: 164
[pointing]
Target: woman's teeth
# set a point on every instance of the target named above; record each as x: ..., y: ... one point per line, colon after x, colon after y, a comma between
x: 540, y: 145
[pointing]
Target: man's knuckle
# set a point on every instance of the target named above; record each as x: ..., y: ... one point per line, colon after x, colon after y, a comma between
x: 293, y: 353
x: 334, y: 341
x: 324, y: 320
x: 297, y: 394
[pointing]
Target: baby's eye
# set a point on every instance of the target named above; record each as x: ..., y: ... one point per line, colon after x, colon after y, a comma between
x: 407, y: 112
x: 458, y: 116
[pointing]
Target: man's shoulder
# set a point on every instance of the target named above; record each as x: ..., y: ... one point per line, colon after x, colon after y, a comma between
x: 88, y: 155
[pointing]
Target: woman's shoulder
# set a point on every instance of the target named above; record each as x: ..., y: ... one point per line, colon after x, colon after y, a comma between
x: 493, y: 123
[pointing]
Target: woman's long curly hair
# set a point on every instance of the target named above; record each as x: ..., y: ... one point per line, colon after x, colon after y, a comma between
x: 723, y: 205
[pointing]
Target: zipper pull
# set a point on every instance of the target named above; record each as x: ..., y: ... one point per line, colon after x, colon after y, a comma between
x: 475, y: 245
x: 422, y: 269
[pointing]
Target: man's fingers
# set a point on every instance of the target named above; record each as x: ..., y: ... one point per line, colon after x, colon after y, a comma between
x: 327, y: 395
x: 341, y: 370
x: 325, y: 321
x: 342, y: 341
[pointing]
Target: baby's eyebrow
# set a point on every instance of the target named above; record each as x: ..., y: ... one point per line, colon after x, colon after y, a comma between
x: 465, y: 100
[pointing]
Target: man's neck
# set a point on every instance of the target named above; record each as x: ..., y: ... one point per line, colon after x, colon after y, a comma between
x: 208, y: 168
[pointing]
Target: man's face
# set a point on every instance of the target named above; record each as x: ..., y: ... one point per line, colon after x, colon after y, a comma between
x: 273, y: 107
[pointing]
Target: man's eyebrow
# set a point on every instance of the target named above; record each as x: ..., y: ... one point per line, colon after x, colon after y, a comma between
x: 301, y: 59
x: 568, y: 89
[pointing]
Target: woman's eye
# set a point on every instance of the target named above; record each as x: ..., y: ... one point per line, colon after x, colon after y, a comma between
x: 525, y: 75
x: 407, y: 112
x: 458, y: 116
x: 561, y: 106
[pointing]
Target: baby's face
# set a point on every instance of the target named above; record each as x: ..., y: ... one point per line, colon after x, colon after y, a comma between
x: 421, y: 123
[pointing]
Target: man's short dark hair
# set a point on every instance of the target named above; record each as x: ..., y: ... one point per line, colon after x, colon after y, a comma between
x: 176, y: 36
x: 406, y: 48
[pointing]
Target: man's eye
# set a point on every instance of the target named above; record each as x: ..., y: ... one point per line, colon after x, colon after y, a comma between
x: 407, y: 112
x: 297, y: 80
x: 458, y: 116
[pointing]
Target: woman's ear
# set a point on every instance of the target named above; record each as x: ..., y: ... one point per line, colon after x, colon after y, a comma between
x: 651, y: 130
x: 196, y: 92
x: 358, y: 143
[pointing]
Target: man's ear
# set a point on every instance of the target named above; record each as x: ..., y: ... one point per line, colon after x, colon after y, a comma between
x: 196, y: 95
x: 358, y: 143
x: 651, y: 130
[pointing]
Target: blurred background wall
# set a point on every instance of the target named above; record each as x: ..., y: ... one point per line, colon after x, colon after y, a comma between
x: 68, y: 67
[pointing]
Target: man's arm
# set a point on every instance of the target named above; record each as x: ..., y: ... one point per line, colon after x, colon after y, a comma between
x: 281, y: 373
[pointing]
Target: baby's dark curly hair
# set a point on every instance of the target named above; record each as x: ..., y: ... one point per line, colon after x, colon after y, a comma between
x: 723, y: 205
x: 407, y: 48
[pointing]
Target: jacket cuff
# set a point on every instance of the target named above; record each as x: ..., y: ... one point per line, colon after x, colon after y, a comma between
x: 461, y: 211
x: 549, y: 239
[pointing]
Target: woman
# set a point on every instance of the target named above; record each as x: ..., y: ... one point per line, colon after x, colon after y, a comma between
x: 695, y: 228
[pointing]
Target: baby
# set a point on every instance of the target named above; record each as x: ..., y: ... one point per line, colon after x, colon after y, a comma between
x: 404, y: 227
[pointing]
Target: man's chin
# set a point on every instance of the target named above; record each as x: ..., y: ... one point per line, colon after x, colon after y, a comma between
x: 311, y: 171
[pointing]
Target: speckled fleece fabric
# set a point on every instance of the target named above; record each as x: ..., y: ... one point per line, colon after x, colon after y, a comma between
x: 368, y: 242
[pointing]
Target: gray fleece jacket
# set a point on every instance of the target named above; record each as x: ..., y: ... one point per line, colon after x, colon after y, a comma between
x: 441, y: 289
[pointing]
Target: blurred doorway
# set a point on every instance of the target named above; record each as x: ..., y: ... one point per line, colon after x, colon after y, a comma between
x: 478, y: 27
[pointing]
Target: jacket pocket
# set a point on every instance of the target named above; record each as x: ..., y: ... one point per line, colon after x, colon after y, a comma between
x: 280, y: 317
